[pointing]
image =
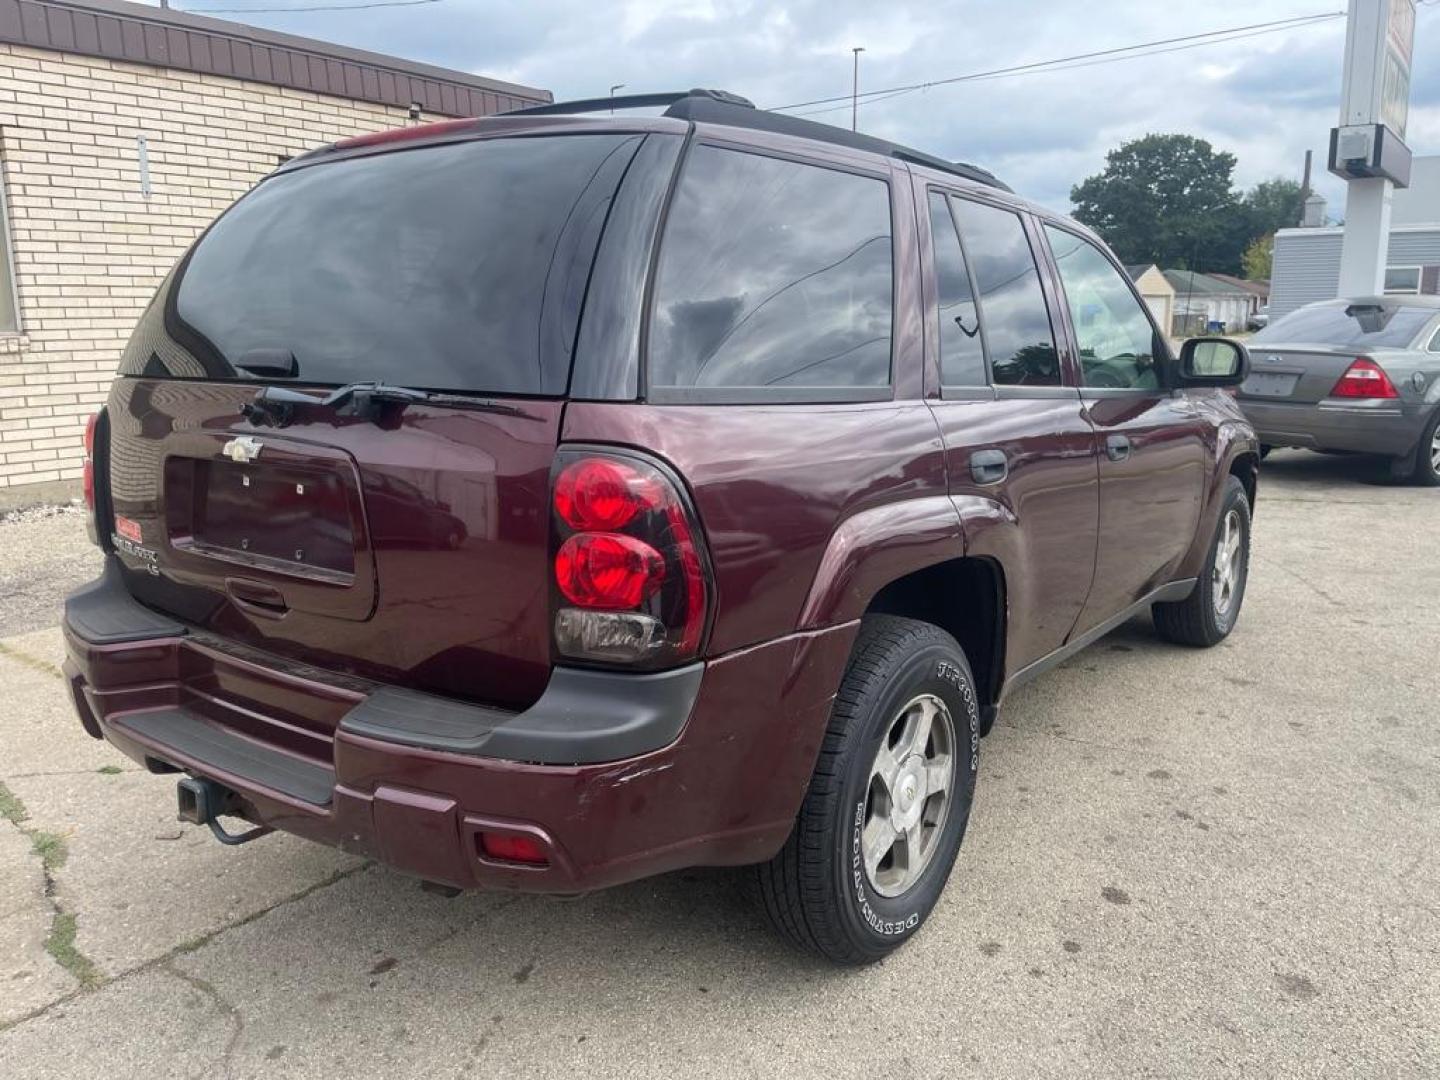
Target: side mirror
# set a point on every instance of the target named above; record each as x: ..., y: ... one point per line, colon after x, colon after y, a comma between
x: 1213, y: 361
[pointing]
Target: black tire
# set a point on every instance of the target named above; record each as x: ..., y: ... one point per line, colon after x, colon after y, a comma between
x: 1197, y: 620
x: 1425, y: 470
x: 1265, y: 449
x: 817, y: 891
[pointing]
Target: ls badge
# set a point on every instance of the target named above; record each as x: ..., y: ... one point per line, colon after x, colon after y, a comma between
x: 242, y: 449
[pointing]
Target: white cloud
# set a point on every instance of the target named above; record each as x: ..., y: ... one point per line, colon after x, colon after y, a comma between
x: 1266, y: 98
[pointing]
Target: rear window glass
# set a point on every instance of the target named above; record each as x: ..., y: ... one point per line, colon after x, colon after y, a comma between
x: 1371, y: 326
x: 773, y: 274
x: 431, y: 267
x: 1012, y: 305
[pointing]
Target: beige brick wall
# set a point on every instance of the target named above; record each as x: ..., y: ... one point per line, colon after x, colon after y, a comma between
x: 89, y: 248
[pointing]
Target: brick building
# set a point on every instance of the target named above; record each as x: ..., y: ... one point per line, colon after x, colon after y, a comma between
x: 124, y: 130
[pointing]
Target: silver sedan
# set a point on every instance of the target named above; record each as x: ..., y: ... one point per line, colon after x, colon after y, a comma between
x: 1359, y: 375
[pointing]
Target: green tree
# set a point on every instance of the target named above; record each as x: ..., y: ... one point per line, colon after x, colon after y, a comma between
x: 1166, y: 199
x: 1257, y: 258
x: 1272, y: 204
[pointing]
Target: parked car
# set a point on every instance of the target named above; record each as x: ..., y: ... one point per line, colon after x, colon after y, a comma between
x: 781, y: 456
x: 1259, y: 320
x: 1359, y: 375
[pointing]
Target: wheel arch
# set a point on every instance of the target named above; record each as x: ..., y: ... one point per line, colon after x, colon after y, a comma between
x: 966, y: 598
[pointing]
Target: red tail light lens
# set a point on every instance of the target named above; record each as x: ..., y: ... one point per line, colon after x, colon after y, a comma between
x: 88, y: 470
x: 1364, y: 379
x: 630, y: 581
x: 598, y: 493
x: 608, y: 570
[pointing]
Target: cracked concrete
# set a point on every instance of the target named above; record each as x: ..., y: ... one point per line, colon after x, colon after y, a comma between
x: 1180, y: 863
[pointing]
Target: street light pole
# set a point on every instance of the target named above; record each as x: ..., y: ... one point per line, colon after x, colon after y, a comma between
x: 617, y: 86
x: 855, y: 87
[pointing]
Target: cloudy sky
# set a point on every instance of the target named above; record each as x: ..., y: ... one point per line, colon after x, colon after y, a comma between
x: 1266, y: 98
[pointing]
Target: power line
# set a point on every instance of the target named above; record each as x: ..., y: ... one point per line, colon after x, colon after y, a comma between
x: 895, y: 91
x: 1045, y: 67
x: 318, y: 7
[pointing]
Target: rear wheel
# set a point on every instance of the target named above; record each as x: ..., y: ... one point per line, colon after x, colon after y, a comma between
x: 887, y: 807
x: 1208, y: 614
x: 1426, y: 470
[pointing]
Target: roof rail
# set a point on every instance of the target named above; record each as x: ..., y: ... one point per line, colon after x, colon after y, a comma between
x: 628, y: 101
x: 722, y: 107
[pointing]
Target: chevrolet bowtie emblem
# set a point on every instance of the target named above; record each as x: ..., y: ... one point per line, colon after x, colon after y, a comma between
x: 242, y: 449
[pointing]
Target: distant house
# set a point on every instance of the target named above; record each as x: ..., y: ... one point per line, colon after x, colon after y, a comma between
x: 1203, y: 301
x: 1307, y: 259
x: 1158, y: 293
x: 1260, y: 290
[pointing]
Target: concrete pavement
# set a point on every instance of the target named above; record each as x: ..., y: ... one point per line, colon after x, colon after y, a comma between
x: 1188, y: 864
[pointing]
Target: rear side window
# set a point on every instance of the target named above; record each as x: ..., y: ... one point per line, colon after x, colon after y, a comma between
x: 962, y: 351
x: 1012, y: 304
x: 429, y: 267
x: 773, y: 274
x: 1365, y: 325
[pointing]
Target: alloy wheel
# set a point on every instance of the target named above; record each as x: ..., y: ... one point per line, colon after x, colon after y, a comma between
x: 909, y: 797
x: 1225, y: 583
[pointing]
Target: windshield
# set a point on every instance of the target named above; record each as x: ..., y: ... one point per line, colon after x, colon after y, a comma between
x: 1366, y: 325
x: 456, y: 267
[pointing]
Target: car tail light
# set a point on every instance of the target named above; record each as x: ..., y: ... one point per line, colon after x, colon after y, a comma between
x: 1364, y: 379
x: 88, y: 472
x: 507, y: 847
x: 630, y: 585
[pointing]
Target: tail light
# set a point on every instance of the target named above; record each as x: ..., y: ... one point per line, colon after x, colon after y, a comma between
x: 1364, y: 379
x: 629, y: 563
x: 88, y: 473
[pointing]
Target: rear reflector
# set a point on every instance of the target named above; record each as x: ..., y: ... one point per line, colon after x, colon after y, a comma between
x: 507, y: 847
x: 1364, y: 379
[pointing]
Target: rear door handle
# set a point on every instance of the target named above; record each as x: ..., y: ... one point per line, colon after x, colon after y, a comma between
x: 1117, y: 447
x: 989, y: 466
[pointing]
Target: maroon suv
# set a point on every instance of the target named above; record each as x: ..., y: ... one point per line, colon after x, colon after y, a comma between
x: 541, y: 503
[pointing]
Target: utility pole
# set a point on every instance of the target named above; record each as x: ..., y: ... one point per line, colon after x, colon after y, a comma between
x: 1368, y: 147
x: 855, y: 88
x: 617, y: 86
x: 1305, y: 187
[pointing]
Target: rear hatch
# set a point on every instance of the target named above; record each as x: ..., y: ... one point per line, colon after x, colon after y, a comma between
x: 1296, y: 374
x: 395, y: 536
x: 1299, y: 358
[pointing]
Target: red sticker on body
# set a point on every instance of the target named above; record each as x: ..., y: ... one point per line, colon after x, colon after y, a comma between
x: 130, y: 530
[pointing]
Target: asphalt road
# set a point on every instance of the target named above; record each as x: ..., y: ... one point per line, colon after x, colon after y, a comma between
x: 1180, y: 864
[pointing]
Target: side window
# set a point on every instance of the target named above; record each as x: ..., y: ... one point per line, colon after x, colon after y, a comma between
x: 1116, y: 340
x: 773, y: 274
x: 1435, y: 342
x: 962, y: 351
x: 1012, y: 304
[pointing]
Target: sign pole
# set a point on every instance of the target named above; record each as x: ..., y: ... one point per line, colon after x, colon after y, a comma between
x: 1368, y: 148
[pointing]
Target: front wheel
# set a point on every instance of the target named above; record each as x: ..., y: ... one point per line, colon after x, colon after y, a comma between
x: 1208, y: 614
x: 886, y: 811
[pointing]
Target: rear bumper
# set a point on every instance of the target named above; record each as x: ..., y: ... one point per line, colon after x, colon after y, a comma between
x: 706, y: 765
x: 1369, y: 427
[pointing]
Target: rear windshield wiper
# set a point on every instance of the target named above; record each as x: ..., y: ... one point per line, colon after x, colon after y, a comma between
x: 274, y: 406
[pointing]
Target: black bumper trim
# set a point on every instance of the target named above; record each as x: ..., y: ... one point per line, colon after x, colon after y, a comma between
x: 582, y: 718
x: 104, y: 612
x: 195, y: 742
